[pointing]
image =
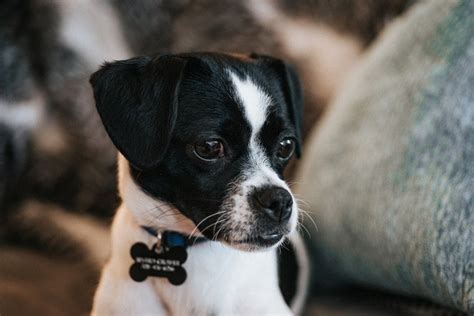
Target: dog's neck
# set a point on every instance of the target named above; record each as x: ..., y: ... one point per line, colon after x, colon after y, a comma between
x: 220, y: 279
x: 148, y: 211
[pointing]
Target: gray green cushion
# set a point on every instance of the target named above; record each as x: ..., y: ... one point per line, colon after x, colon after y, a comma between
x: 388, y: 175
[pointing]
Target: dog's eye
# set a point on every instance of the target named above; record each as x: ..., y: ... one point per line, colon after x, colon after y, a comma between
x: 286, y: 148
x: 209, y: 149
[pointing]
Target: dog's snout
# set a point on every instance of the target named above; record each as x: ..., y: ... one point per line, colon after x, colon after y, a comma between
x: 276, y: 202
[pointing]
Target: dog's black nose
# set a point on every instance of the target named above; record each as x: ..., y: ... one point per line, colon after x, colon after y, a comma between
x: 276, y: 202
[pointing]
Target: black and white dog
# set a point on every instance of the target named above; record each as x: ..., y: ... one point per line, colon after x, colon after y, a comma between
x: 204, y: 139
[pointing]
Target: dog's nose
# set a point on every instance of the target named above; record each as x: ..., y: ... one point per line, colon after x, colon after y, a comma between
x: 276, y: 202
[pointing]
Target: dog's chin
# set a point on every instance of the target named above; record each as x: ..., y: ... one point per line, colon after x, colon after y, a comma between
x: 255, y: 243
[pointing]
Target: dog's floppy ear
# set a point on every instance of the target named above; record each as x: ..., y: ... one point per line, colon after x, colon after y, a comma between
x: 137, y: 102
x: 290, y: 85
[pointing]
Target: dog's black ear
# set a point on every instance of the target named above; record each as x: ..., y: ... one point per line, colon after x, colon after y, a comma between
x: 137, y: 102
x: 290, y: 85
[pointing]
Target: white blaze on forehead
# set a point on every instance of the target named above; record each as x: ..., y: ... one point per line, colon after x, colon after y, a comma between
x: 254, y: 100
x: 258, y: 173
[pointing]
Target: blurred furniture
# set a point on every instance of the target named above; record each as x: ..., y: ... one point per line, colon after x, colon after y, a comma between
x: 388, y: 175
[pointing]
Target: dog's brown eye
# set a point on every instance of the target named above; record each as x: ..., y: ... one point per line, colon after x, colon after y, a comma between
x: 286, y: 148
x: 209, y: 149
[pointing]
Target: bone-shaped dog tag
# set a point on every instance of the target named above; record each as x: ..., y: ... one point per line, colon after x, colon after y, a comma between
x: 165, y: 264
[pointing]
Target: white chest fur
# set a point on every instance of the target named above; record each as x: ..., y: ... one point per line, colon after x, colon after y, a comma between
x: 221, y: 280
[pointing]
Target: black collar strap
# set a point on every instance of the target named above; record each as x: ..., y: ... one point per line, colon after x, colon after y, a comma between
x: 172, y: 238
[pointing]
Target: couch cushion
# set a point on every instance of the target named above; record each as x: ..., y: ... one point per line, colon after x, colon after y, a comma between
x: 388, y: 175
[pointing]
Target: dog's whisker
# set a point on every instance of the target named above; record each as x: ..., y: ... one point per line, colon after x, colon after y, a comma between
x: 301, y: 225
x: 163, y: 216
x: 153, y: 219
x: 214, y: 237
x: 156, y: 215
x: 310, y: 217
x: 209, y: 226
x: 226, y: 225
x: 202, y: 221
x: 159, y: 207
x: 284, y: 246
x: 219, y: 220
x: 303, y: 202
x: 222, y: 227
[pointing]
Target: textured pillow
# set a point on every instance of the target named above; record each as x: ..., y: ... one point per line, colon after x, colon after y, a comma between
x: 389, y: 174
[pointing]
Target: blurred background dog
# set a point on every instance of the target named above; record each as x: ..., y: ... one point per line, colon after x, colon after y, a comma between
x: 57, y: 167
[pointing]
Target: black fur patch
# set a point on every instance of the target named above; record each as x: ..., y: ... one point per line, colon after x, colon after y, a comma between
x: 288, y: 271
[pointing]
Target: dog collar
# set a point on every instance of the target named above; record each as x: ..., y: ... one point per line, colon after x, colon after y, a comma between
x: 172, y: 238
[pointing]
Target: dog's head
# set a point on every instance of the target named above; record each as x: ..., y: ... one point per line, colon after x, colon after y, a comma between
x: 208, y: 134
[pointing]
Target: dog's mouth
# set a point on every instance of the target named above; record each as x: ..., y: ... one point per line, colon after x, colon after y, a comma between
x: 255, y: 242
x: 263, y: 241
x: 259, y: 235
x: 247, y: 238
